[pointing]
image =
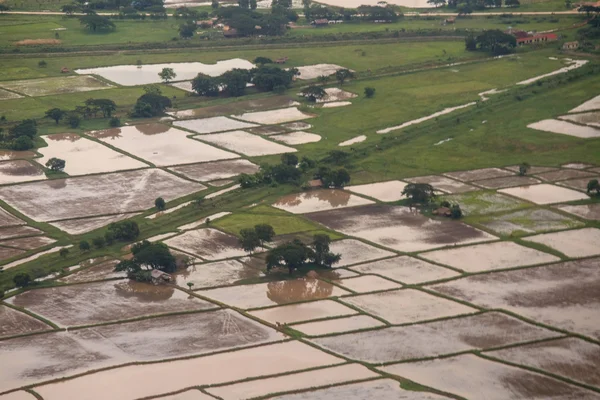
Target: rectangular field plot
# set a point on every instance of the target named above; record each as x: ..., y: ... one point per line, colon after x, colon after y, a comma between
x: 6, y: 253
x: 215, y: 274
x: 237, y: 107
x: 84, y: 225
x: 406, y: 269
x: 246, y: 143
x: 298, y: 137
x: 319, y: 200
x: 382, y: 191
x: 565, y: 128
x: 18, y: 231
x: 303, y: 312
x: 216, y: 170
x: 572, y: 358
x: 6, y: 95
x: 399, y: 228
x: 564, y: 174
x: 482, y: 203
x: 208, y: 243
x: 55, y: 355
x: 20, y: 395
x: 354, y: 251
x: 161, y: 144
x: 507, y: 181
x: 119, y: 192
x: 532, y: 220
x: 473, y: 377
x: 545, y: 194
x: 97, y: 272
x: 575, y: 243
x: 434, y: 338
x: 407, y: 306
x: 138, y: 381
x: 579, y: 184
x: 274, y: 293
x: 562, y: 295
x: 13, y: 322
x: 338, y: 325
x: 7, y: 219
x: 443, y: 184
x: 93, y: 303
x: 586, y: 211
x: 368, y: 283
x: 589, y: 118
x: 20, y: 171
x: 56, y: 85
x: 592, y: 104
x: 212, y: 125
x: 28, y: 243
x: 273, y: 117
x: 290, y: 383
x: 84, y: 156
x: 478, y: 174
x: 489, y: 256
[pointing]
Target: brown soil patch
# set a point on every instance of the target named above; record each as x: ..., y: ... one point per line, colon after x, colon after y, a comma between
x: 478, y: 174
x: 6, y: 253
x: 18, y: 231
x: 101, y: 271
x: 28, y: 243
x: 507, y: 181
x: 36, y: 42
x: 14, y: 155
x: 579, y: 184
x: 216, y: 170
x: 7, y: 219
x: 13, y: 322
x: 564, y: 174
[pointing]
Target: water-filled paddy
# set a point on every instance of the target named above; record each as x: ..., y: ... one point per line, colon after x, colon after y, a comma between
x: 20, y: 171
x: 212, y: 124
x: 303, y: 312
x: 246, y: 143
x: 56, y: 85
x: 14, y: 322
x: 443, y: 184
x: 354, y: 252
x: 208, y: 243
x: 216, y: 170
x: 215, y: 274
x: 338, y: 325
x: 587, y: 211
x: 545, y: 193
x: 478, y: 174
x: 406, y: 269
x: 574, y: 243
x: 318, y: 200
x: 382, y: 191
x: 84, y: 225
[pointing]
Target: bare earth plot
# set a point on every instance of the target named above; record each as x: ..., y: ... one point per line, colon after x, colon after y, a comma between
x: 336, y: 94
x: 84, y: 225
x: 565, y: 128
x: 562, y: 295
x: 433, y: 339
x: 579, y: 184
x: 473, y: 377
x: 216, y: 170
x: 94, y: 195
x: 564, y: 174
x: 28, y: 243
x: 507, y: 181
x: 18, y: 231
x: 399, y: 228
x: 314, y: 71
x: 592, y: 104
x: 533, y: 169
x: 246, y: 143
x: 101, y: 271
x: 587, y: 211
x: 354, y: 252
x: 545, y: 194
x: 482, y: 203
x: 443, y: 184
x: 406, y: 269
x: 575, y: 243
x: 133, y: 382
x: 7, y: 219
x: 161, y: 144
x: 338, y: 325
x: 532, y: 220
x: 6, y: 95
x: 13, y: 323
x: 215, y: 274
x: 57, y: 85
x: 273, y: 117
x: 6, y: 253
x: 382, y: 191
x: 295, y: 138
x: 84, y: 156
x: 303, y: 312
x: 20, y: 171
x: 212, y: 125
x: 208, y: 243
x: 318, y: 200
x: 407, y: 306
x: 236, y: 107
x: 478, y: 174
x: 589, y: 118
x: 54, y: 355
x: 93, y: 303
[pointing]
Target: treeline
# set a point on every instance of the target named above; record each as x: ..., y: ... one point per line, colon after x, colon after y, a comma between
x: 468, y: 6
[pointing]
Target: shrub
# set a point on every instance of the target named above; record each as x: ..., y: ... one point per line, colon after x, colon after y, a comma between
x: 369, y: 92
x: 114, y: 122
x: 22, y: 279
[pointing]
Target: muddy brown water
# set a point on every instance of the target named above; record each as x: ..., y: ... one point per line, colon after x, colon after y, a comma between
x: 207, y: 243
x: 99, y: 271
x: 303, y: 312
x: 574, y: 243
x: 383, y: 191
x: 13, y: 155
x: 12, y: 171
x: 338, y: 325
x: 7, y: 219
x: 216, y: 170
x: 405, y: 269
x: 239, y: 107
x: 13, y: 322
x: 214, y: 274
x: 587, y: 211
x: 317, y: 200
x: 382, y: 389
x: 246, y: 143
x: 354, y: 252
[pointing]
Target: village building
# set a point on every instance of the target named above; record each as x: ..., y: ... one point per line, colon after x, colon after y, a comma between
x: 159, y: 277
x: 570, y: 45
x: 539, y: 38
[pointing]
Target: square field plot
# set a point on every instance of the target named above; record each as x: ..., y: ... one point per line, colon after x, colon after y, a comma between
x: 13, y: 322
x: 481, y: 203
x: 565, y: 128
x: 489, y: 256
x: 575, y: 243
x: 479, y: 174
x: 507, y: 181
x: 407, y: 306
x: 273, y: 117
x: 434, y: 338
x: 338, y: 325
x: 531, y: 220
x: 57, y: 85
x: 399, y: 228
x: 303, y: 312
x: 545, y: 194
x: 586, y: 211
x: 212, y: 125
x: 382, y: 191
x: 160, y: 144
x: 209, y: 244
x: 354, y: 252
x: 572, y: 358
x: 246, y: 143
x: 215, y: 274
x: 209, y: 171
x: 318, y: 200
x: 84, y: 156
x: 93, y: 303
x: 367, y: 283
x: 443, y: 184
x: 406, y: 269
x: 274, y: 293
x: 28, y: 243
x: 20, y: 171
x: 473, y: 377
x: 88, y: 196
x: 563, y: 295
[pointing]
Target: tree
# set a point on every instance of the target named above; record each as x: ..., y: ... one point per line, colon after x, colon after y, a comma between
x: 154, y: 256
x: 320, y: 245
x: 56, y: 164
x: 42, y: 64
x: 22, y: 143
x: 63, y: 252
x: 124, y: 230
x: 4, y: 7
x: 253, y: 4
x: 524, y: 168
x: 73, y: 120
x: 160, y: 204
x: 249, y: 239
x: 512, y: 3
x: 22, y: 279
x: 187, y: 29
x: 343, y: 74
x: 99, y: 242
x: 69, y: 9
x: 569, y: 4
x: 266, y: 78
x: 56, y: 114
x: 291, y: 255
x: 455, y: 212
x: 323, y: 79
x: 265, y: 233
x: 84, y: 245
x: 495, y: 42
x: 419, y: 192
x: 593, y: 185
x: 114, y: 122
x: 150, y: 104
x: 244, y: 4
x: 470, y: 43
x: 27, y: 127
x: 336, y: 178
x: 289, y: 159
x: 106, y: 106
x: 214, y: 4
x: 95, y: 22
x: 205, y: 85
x: 234, y: 81
x: 369, y: 92
x: 436, y: 3
x: 262, y: 60
x: 313, y: 93
x: 167, y: 74
x: 190, y: 285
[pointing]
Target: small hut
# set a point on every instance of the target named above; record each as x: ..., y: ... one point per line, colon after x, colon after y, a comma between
x: 281, y: 60
x: 159, y: 277
x: 65, y: 70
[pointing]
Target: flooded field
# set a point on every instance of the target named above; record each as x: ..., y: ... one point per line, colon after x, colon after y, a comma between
x: 20, y: 171
x: 93, y: 303
x: 574, y: 243
x: 56, y: 85
x: 443, y: 184
x: 298, y: 137
x: 161, y: 378
x: 589, y: 118
x: 407, y: 306
x: 289, y: 383
x: 587, y: 211
x: 507, y: 181
x: 215, y: 274
x: 338, y: 325
x: 368, y: 283
x: 314, y: 71
x: 399, y: 228
x: 545, y: 194
x: 592, y: 104
x: 120, y: 192
x: 13, y: 322
x: 406, y: 270
x: 562, y: 295
x: 131, y: 75
x: 565, y: 128
x: 212, y: 125
x: 382, y: 191
x: 532, y: 220
x: 18, y: 231
x: 237, y: 107
x: 473, y: 377
x: 216, y: 170
x: 273, y: 117
x: 533, y: 169
x: 101, y: 271
x: 319, y: 200
x: 489, y: 256
x: 28, y: 243
x: 13, y: 155
x: 161, y: 144
x: 84, y: 225
x: 483, y: 203
x: 303, y: 312
x: 274, y: 293
x: 355, y: 252
x: 579, y: 184
x: 6, y: 253
x: 564, y: 174
x: 84, y: 156
x: 246, y: 143
x: 478, y: 174
x: 208, y: 243
x: 434, y: 339
x: 354, y: 140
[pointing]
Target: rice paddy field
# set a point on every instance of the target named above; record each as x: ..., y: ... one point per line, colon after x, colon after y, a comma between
x: 499, y: 304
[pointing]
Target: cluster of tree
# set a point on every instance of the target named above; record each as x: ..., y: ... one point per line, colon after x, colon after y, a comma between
x: 96, y: 23
x: 90, y: 108
x: 153, y: 12
x: 313, y: 93
x: 295, y: 254
x: 20, y: 136
x: 419, y: 193
x: 455, y: 210
x: 336, y: 178
x: 524, y: 168
x: 56, y: 164
x: 493, y: 41
x: 252, y: 238
x: 592, y: 30
x: 593, y: 186
x: 248, y: 22
x: 147, y: 256
x: 151, y: 103
x: 468, y: 6
x: 124, y: 231
x: 378, y: 13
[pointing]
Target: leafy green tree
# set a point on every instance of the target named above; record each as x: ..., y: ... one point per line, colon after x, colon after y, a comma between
x: 421, y: 193
x: 306, y: 164
x: 524, y: 168
x: 470, y: 42
x: 97, y: 23
x: 336, y: 178
x: 322, y: 253
x: 27, y: 127
x: 167, y: 75
x: 160, y: 204
x: 593, y: 185
x: 512, y: 3
x: 291, y: 255
x: 22, y: 279
x: 455, y: 212
x: 4, y: 7
x: 284, y: 173
x: 190, y: 285
x: 266, y: 78
x: 154, y: 256
x: 214, y: 4
x: 336, y: 157
x: 84, y: 245
x: 244, y: 4
x: 114, y: 122
x: 151, y: 105
x: 106, y: 106
x: 342, y: 75
x: 262, y: 60
x: 99, y: 242
x: 249, y: 240
x: 234, y: 81
x: 63, y: 252
x: 205, y: 85
x: 495, y: 42
x: 73, y: 120
x: 289, y: 159
x: 313, y: 93
x: 56, y: 114
x: 22, y: 143
x: 265, y: 233
x: 56, y: 164
x: 253, y: 4
x: 124, y: 230
x: 187, y: 30
x: 369, y: 92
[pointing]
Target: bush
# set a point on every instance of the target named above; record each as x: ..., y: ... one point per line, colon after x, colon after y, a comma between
x: 124, y: 230
x: 22, y: 279
x: 42, y: 64
x: 84, y: 245
x: 73, y: 120
x: 160, y: 204
x: 369, y: 92
x: 114, y: 122
x: 98, y: 242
